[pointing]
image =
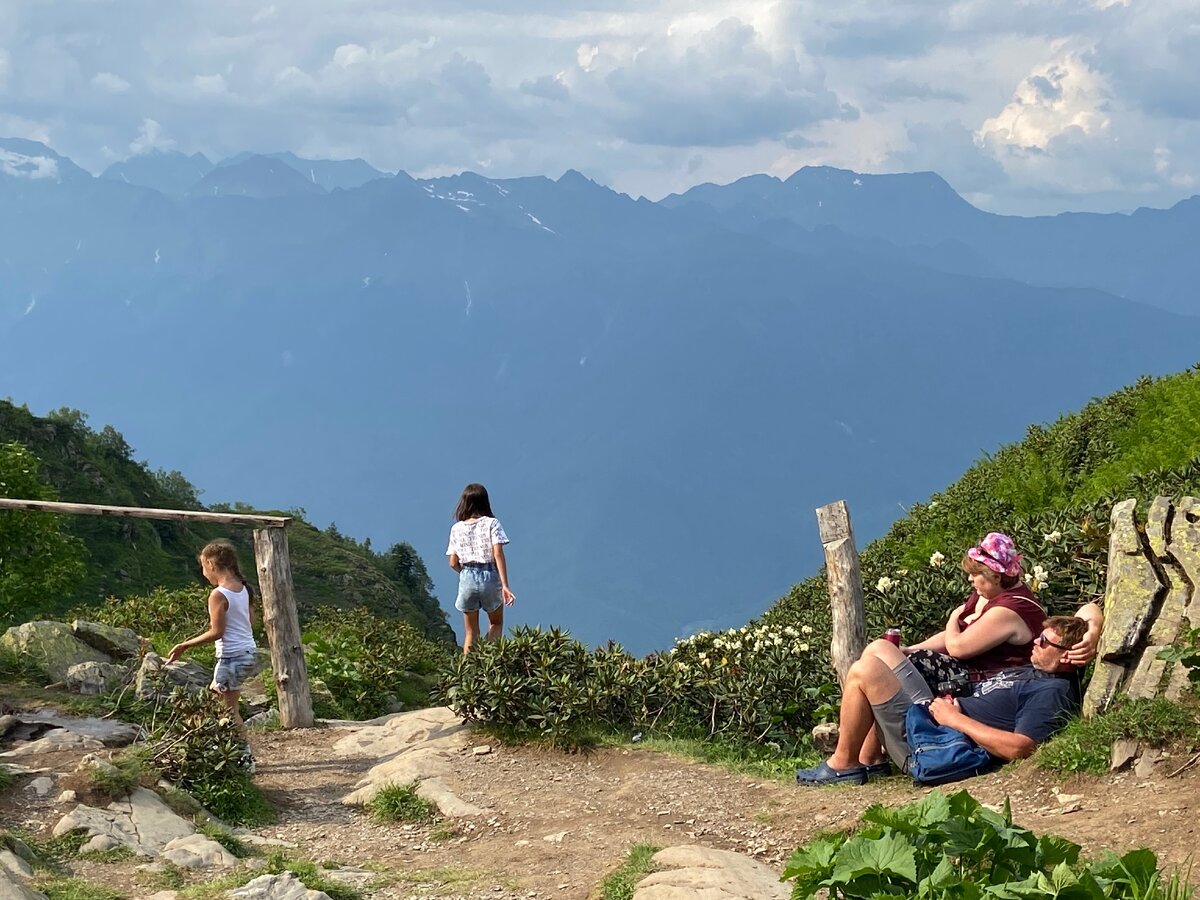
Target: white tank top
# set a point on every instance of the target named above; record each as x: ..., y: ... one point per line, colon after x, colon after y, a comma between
x: 238, y: 637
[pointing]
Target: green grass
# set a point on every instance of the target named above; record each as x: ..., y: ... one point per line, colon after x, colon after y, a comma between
x: 115, y: 855
x: 400, y: 803
x: 6, y: 778
x: 77, y: 889
x: 52, y: 854
x: 620, y: 884
x: 278, y: 862
x: 1085, y: 744
x: 229, y: 841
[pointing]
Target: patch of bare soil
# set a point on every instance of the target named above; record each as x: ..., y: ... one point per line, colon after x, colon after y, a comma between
x: 556, y: 824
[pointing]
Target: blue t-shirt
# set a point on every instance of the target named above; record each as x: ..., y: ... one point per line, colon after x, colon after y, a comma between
x: 1035, y: 707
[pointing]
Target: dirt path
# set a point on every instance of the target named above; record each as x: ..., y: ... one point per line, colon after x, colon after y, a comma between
x: 557, y: 823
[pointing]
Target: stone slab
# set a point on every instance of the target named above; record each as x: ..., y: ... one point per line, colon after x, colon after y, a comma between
x: 692, y: 872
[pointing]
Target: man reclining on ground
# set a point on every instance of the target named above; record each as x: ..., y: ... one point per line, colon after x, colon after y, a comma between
x: 1008, y: 715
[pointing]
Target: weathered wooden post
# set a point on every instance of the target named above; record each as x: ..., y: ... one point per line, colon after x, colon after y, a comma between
x: 845, y: 586
x: 283, y: 627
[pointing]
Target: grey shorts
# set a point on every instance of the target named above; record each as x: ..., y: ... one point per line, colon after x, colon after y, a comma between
x: 889, y: 715
x: 231, y: 671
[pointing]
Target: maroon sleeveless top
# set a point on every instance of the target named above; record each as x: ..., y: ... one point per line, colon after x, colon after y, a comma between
x: 1005, y: 656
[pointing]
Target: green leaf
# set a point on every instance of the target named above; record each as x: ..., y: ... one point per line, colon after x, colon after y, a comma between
x: 888, y: 855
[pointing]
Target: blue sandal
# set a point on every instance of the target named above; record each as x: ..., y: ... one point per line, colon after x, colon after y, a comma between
x: 879, y: 769
x: 825, y: 774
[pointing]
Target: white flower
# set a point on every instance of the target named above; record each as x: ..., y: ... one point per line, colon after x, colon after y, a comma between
x: 937, y: 559
x: 703, y: 655
x: 804, y: 648
x: 806, y: 629
x: 1053, y: 537
x: 790, y: 631
x: 1028, y: 578
x: 1040, y: 573
x: 884, y: 584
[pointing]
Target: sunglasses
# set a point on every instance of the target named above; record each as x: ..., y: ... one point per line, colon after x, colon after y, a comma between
x: 1041, y: 640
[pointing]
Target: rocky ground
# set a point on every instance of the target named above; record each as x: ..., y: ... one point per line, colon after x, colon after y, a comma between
x: 532, y: 823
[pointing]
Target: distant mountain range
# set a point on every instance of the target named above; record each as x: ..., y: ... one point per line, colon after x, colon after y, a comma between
x: 657, y: 394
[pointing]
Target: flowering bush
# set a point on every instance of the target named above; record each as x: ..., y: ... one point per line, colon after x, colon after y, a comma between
x: 746, y: 683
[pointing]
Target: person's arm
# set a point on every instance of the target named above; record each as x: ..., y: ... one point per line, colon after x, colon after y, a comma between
x: 502, y: 568
x: 1085, y: 651
x: 218, y: 607
x: 454, y: 563
x: 996, y: 626
x: 1006, y: 745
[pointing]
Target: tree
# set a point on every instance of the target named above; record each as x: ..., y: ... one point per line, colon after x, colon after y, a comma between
x: 38, y: 559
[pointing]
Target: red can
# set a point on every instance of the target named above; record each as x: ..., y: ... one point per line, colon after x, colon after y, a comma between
x: 893, y: 635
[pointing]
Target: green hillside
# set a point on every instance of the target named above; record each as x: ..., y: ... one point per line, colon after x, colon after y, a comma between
x: 1052, y: 492
x: 125, y: 557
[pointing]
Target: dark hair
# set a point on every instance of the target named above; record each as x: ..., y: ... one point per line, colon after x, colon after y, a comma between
x: 975, y: 567
x: 1071, y: 629
x: 223, y: 556
x: 474, y: 502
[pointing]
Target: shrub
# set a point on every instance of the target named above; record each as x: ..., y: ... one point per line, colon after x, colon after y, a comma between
x: 619, y: 885
x: 953, y: 848
x: 363, y: 658
x: 1186, y: 652
x: 546, y: 685
x: 164, y: 617
x: 198, y: 746
x: 401, y: 803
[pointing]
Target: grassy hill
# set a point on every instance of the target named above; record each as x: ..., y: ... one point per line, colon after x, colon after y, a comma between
x: 1052, y: 492
x: 126, y: 557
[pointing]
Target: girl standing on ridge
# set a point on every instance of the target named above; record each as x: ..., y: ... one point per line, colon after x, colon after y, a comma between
x: 228, y: 625
x: 476, y: 553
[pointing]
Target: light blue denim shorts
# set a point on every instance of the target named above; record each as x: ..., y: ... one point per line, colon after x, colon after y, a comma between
x: 231, y: 671
x: 478, y: 588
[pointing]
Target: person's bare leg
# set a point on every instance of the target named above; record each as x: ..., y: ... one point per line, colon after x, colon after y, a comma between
x: 230, y: 699
x: 470, y: 629
x: 495, y: 623
x: 869, y: 681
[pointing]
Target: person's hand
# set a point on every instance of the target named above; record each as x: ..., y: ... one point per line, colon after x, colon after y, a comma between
x: 176, y: 652
x: 508, y: 596
x: 1085, y: 651
x: 945, y: 710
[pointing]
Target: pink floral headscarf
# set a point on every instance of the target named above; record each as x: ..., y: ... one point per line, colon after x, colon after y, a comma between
x: 997, y: 552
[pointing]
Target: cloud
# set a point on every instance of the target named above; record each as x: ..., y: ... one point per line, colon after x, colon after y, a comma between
x: 34, y: 168
x: 1059, y: 97
x: 149, y: 139
x: 722, y: 87
x: 548, y: 87
x: 107, y: 81
x: 905, y: 89
x: 210, y: 84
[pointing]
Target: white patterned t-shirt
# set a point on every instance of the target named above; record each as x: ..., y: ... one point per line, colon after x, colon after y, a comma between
x: 472, y: 540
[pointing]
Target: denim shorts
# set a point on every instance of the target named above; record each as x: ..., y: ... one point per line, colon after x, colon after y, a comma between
x: 232, y: 670
x: 478, y: 588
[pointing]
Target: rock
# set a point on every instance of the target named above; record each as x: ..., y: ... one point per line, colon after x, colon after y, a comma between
x: 1144, y: 767
x: 1123, y: 751
x: 254, y: 692
x: 352, y: 875
x: 14, y: 865
x: 691, y: 872
x: 155, y: 679
x: 448, y: 803
x: 277, y: 887
x: 40, y: 786
x: 10, y: 889
x: 482, y: 750
x: 93, y: 678
x: 195, y: 851
x: 556, y: 838
x: 51, y: 646
x: 141, y: 822
x: 163, y: 895
x: 825, y: 737
x: 54, y: 741
x: 66, y: 797
x: 396, y: 732
x: 109, y: 732
x: 119, y: 643
x: 266, y: 719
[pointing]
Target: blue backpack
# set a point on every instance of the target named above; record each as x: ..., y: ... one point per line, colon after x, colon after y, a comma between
x: 937, y: 753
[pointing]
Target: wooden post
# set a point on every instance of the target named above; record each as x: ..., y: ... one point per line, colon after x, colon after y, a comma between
x: 283, y: 627
x: 845, y: 586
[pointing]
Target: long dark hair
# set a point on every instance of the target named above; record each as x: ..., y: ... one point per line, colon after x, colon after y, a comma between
x: 223, y: 556
x: 473, y: 502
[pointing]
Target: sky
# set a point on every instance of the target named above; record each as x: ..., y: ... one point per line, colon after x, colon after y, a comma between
x: 1024, y: 106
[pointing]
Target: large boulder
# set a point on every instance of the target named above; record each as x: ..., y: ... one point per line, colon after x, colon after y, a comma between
x: 93, y: 678
x: 119, y: 643
x: 155, y: 679
x: 689, y: 871
x: 277, y: 887
x: 52, y: 646
x: 11, y: 889
x: 141, y: 822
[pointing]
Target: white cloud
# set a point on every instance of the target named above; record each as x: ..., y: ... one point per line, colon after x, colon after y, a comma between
x: 1057, y: 97
x: 5, y: 65
x: 585, y: 56
x: 114, y: 84
x: 149, y: 139
x: 210, y: 84
x: 19, y: 165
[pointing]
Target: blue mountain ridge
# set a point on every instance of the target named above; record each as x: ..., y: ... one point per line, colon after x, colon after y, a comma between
x: 657, y: 394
